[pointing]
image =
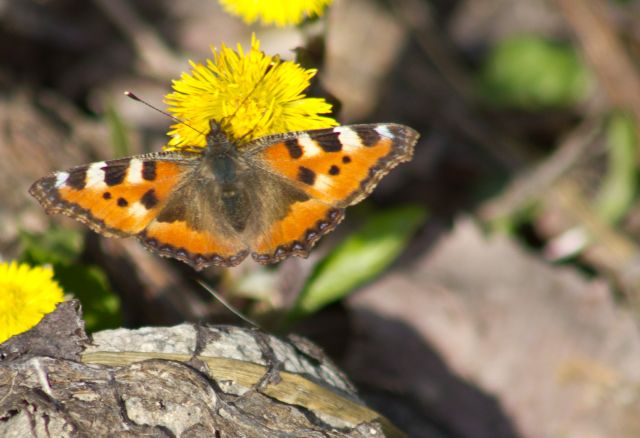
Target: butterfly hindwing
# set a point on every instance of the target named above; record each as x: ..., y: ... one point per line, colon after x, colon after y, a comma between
x: 191, y: 227
x: 338, y: 166
x: 118, y: 197
x: 296, y: 233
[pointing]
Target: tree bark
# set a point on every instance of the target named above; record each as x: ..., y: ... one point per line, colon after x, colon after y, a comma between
x: 187, y: 381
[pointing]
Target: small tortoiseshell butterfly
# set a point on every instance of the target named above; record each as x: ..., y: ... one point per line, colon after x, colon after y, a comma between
x: 273, y: 198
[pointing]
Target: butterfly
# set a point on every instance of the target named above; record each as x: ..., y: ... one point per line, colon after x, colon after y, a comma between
x: 273, y: 197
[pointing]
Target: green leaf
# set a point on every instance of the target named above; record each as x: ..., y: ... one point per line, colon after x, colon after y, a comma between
x: 358, y: 259
x: 617, y: 193
x: 534, y: 73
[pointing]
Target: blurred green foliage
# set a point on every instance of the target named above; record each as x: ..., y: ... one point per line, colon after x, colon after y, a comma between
x: 511, y: 224
x: 359, y: 258
x: 533, y: 73
x: 60, y: 248
x: 618, y: 190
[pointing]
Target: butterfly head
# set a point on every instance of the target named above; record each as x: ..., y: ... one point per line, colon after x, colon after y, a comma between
x: 217, y: 140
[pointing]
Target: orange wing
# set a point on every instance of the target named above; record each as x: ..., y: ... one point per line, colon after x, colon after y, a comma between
x: 296, y: 233
x: 334, y: 168
x: 197, y: 248
x: 143, y: 196
x: 114, y: 198
x: 338, y: 166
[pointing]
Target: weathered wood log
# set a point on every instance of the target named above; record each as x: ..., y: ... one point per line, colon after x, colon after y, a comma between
x: 187, y: 380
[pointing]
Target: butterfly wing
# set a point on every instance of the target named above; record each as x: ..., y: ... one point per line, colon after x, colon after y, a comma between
x: 296, y: 186
x: 191, y: 227
x: 114, y: 198
x: 338, y: 166
x: 334, y: 168
x: 144, y: 196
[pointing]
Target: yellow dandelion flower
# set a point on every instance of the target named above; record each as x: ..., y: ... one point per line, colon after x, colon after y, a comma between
x: 249, y: 94
x: 278, y: 12
x: 26, y: 295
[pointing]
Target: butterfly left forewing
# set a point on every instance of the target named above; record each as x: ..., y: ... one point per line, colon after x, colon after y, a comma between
x: 118, y: 197
x: 339, y: 166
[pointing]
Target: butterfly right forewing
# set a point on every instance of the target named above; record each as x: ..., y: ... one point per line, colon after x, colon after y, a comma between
x: 338, y: 166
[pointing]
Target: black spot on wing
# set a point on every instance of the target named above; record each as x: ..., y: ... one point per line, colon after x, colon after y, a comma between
x: 77, y: 178
x: 106, y: 195
x: 306, y: 176
x: 346, y: 159
x: 295, y: 151
x: 114, y: 173
x: 122, y: 202
x: 368, y: 136
x: 149, y: 170
x: 149, y: 199
x: 334, y: 170
x: 329, y: 141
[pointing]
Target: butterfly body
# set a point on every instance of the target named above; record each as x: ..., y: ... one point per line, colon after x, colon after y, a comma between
x: 272, y: 197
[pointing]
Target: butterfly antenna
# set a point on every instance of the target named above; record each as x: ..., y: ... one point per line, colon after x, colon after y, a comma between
x: 130, y: 95
x: 226, y: 304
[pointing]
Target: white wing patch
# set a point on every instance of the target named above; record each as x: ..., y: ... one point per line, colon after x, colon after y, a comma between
x: 349, y: 138
x: 323, y: 182
x: 310, y: 147
x: 95, y: 175
x: 138, y: 210
x: 383, y: 130
x: 61, y: 178
x: 134, y: 173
